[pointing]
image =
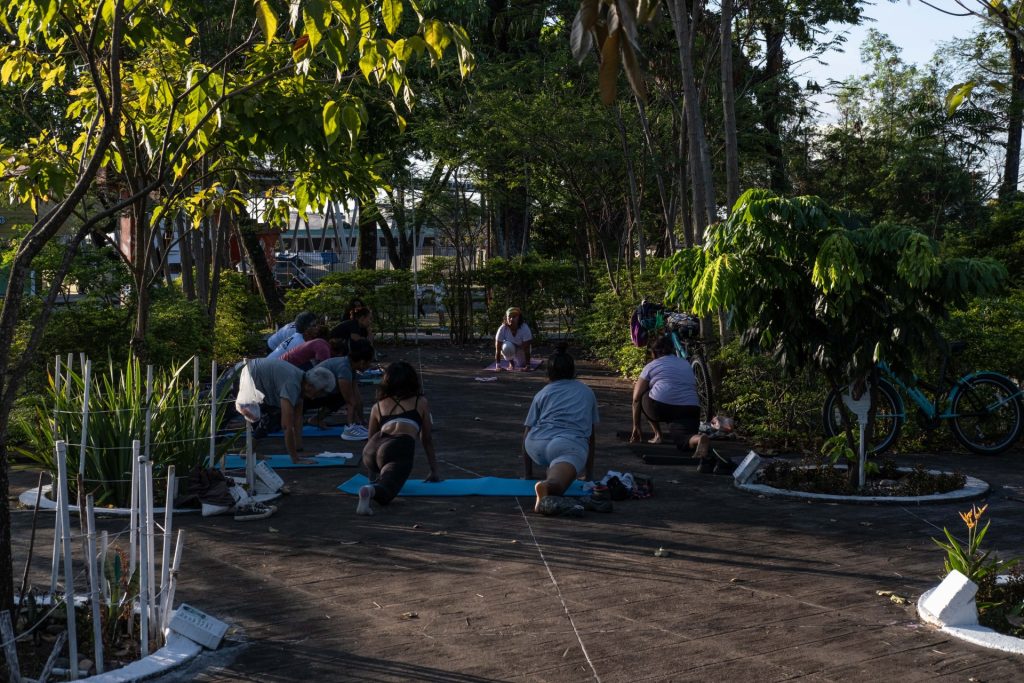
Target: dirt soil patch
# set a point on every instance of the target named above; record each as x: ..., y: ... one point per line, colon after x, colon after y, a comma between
x: 479, y: 589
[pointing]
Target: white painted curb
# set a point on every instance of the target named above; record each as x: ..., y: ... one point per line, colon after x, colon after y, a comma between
x: 973, y: 489
x: 178, y: 651
x: 28, y: 499
x: 972, y: 633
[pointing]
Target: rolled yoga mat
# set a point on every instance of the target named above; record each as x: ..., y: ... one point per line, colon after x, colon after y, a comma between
x: 481, y: 486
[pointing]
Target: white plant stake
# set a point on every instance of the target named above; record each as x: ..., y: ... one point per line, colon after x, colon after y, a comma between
x: 165, y: 569
x: 861, y: 407
x: 250, y: 460
x: 150, y: 530
x: 133, y: 524
x: 172, y: 584
x: 69, y: 576
x: 85, y: 418
x: 213, y: 413
x: 104, y: 588
x: 195, y: 390
x: 140, y: 478
x: 94, y: 586
x: 149, y: 409
x: 55, y: 560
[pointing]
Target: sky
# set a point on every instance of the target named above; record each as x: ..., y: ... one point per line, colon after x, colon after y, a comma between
x: 913, y: 26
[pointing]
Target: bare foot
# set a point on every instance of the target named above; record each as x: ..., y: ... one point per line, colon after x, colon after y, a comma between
x: 303, y: 461
x: 541, y: 489
x: 703, y: 445
x: 655, y: 439
x: 365, y: 496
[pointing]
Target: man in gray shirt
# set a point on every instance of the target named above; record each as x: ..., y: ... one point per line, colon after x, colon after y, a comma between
x: 284, y: 387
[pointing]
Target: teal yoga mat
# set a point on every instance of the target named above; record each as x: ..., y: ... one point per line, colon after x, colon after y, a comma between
x: 282, y: 462
x: 482, y: 486
x: 311, y: 431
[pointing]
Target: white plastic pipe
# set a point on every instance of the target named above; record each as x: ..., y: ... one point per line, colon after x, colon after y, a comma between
x: 168, y: 538
x: 172, y: 584
x: 58, y: 536
x: 143, y: 560
x: 150, y: 529
x: 195, y: 391
x: 69, y: 576
x: 213, y: 414
x: 94, y: 586
x: 149, y: 410
x: 250, y: 460
x: 104, y: 544
x: 85, y: 418
x: 133, y: 524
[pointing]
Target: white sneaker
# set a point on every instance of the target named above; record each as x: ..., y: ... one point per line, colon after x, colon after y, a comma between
x: 254, y: 510
x: 355, y: 432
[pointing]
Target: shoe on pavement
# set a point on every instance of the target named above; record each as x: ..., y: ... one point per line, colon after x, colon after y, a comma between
x: 557, y: 506
x: 254, y: 510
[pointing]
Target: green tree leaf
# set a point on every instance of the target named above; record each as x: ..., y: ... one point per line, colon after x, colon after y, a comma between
x: 332, y: 121
x: 391, y: 10
x: 267, y: 20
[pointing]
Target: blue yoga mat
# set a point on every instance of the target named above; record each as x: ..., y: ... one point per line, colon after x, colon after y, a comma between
x: 482, y: 486
x: 312, y: 431
x: 282, y: 461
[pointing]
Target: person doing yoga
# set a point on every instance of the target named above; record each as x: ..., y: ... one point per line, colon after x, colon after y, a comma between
x: 512, y: 341
x: 559, y: 435
x: 400, y: 417
x: 667, y: 392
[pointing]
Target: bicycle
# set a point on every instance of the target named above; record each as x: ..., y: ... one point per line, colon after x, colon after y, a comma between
x: 684, y: 330
x: 985, y: 409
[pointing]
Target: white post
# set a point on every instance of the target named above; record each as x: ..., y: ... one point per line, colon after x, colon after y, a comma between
x: 213, y: 414
x: 85, y: 419
x: 250, y: 460
x: 861, y: 407
x: 69, y: 576
x: 54, y: 489
x: 149, y: 409
x: 195, y: 391
x: 172, y: 583
x: 104, y: 544
x: 94, y: 586
x: 150, y: 543
x: 57, y: 377
x: 133, y: 524
x: 168, y: 538
x: 143, y: 556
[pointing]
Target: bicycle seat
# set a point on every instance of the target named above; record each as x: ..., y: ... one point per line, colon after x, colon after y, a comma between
x: 957, y: 346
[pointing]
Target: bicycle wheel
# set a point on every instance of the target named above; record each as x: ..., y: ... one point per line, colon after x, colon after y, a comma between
x: 703, y: 377
x: 888, y: 417
x: 987, y: 413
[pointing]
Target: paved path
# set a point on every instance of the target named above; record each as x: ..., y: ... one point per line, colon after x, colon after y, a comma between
x: 476, y: 589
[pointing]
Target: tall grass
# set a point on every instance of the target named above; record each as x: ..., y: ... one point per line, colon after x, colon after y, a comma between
x: 179, y: 427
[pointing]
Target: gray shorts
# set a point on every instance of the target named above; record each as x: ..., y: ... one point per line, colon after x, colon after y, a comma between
x: 548, y: 452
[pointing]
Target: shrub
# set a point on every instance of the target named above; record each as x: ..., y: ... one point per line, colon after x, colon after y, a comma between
x: 179, y: 426
x: 545, y: 289
x: 388, y: 293
x: 240, y: 315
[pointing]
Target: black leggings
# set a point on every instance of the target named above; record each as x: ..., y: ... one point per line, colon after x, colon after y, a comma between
x: 688, y: 417
x: 388, y: 462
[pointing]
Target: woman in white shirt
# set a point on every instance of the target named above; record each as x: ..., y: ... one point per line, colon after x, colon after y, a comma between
x: 512, y: 342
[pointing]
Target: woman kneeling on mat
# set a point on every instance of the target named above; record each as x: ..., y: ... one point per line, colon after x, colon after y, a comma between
x: 667, y: 392
x: 559, y: 435
x: 400, y: 416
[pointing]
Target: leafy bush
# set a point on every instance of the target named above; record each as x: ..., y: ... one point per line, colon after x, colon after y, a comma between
x: 240, y: 315
x: 179, y: 426
x: 388, y: 293
x: 547, y: 290
x: 772, y: 409
x: 993, y: 329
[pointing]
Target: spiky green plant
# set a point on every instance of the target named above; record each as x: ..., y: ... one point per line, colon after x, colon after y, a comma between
x: 179, y: 427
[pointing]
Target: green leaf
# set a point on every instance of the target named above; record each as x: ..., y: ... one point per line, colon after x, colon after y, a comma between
x: 267, y: 20
x: 350, y: 117
x: 392, y: 13
x: 956, y: 96
x: 332, y: 121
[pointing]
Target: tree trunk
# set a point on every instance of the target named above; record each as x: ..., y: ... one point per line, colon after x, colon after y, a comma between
x: 265, y: 282
x: 732, y: 155
x: 772, y: 109
x: 1015, y: 118
x: 633, y: 215
x: 700, y: 153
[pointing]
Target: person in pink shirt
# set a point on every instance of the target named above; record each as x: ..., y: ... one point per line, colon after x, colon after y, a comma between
x: 314, y: 352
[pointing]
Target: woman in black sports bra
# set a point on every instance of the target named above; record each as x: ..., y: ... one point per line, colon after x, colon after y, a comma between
x: 400, y: 416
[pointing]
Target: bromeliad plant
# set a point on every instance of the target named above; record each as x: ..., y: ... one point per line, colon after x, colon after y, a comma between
x: 179, y: 427
x: 1000, y: 602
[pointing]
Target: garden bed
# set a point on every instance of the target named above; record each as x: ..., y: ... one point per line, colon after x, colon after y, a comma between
x: 1000, y: 615
x: 890, y: 484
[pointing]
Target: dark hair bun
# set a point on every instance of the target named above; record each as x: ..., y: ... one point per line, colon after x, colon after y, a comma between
x: 562, y: 347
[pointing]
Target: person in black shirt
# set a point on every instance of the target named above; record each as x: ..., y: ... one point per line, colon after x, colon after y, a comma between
x: 357, y: 327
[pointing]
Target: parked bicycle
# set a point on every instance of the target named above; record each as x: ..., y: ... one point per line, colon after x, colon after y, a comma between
x: 984, y: 409
x: 684, y: 330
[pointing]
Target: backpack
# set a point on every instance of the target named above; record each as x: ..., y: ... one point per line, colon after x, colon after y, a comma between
x: 646, y: 318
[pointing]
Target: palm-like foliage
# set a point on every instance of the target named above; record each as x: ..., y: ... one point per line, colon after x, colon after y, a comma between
x: 179, y: 426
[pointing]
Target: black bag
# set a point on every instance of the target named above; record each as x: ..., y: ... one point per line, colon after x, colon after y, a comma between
x: 617, y: 490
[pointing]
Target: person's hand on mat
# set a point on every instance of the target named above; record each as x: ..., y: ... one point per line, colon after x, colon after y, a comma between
x: 304, y: 460
x: 434, y: 478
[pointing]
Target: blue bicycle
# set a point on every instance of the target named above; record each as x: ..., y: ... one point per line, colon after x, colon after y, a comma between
x: 985, y: 410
